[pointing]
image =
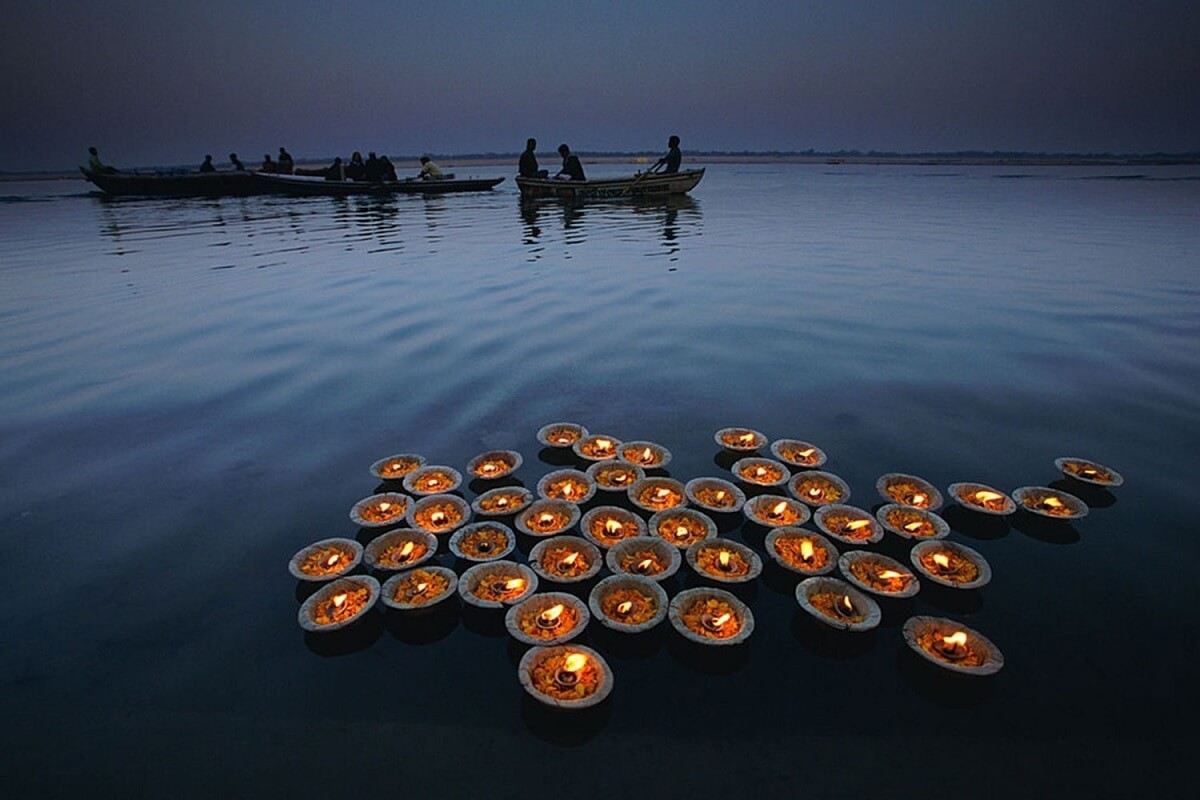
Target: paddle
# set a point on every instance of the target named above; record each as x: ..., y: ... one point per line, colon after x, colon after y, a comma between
x: 638, y: 179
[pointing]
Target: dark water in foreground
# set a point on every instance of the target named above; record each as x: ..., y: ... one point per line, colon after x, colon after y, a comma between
x: 194, y: 389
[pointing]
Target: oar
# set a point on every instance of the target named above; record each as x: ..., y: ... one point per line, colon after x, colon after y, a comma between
x: 638, y: 180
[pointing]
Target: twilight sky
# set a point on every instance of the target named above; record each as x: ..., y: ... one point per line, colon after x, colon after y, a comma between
x: 166, y: 82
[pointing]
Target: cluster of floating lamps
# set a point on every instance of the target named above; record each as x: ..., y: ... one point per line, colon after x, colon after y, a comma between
x: 642, y: 550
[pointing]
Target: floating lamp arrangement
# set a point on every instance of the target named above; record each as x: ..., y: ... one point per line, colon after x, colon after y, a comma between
x: 1081, y: 469
x: 682, y: 527
x: 325, y: 560
x: 951, y: 564
x: 429, y: 480
x: 597, y: 447
x: 615, y: 476
x: 740, y: 440
x: 801, y: 551
x: 483, y: 541
x: 912, y: 523
x: 982, y: 498
x: 495, y: 464
x: 394, y: 468
x: 952, y: 646
x: 439, y: 513
x: 338, y: 604
x: 419, y: 589
x: 566, y: 677
x: 760, y: 471
x: 657, y: 494
x: 908, y: 490
x: 546, y: 619
x: 565, y: 559
x: 547, y: 517
x: 646, y: 455
x: 628, y: 603
x: 497, y: 584
x: 796, y: 453
x: 818, y: 488
x: 567, y: 484
x: 561, y: 434
x: 848, y: 524
x: 878, y: 574
x: 776, y: 511
x: 502, y: 502
x: 380, y: 510
x: 838, y: 604
x: 644, y: 556
x: 711, y: 616
x: 403, y: 548
x: 715, y: 495
x: 1050, y: 503
x: 724, y: 560
x: 607, y: 525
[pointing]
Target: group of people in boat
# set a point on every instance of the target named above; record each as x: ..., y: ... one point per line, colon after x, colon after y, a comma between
x: 572, y: 169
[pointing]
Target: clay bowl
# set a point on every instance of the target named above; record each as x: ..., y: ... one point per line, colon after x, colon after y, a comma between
x: 384, y: 552
x: 814, y: 596
x: 650, y: 599
x: 623, y: 558
x: 545, y: 563
x: 324, y: 596
x: 310, y: 563
x: 395, y: 590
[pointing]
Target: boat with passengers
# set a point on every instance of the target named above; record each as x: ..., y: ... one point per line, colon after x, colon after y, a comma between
x: 642, y: 184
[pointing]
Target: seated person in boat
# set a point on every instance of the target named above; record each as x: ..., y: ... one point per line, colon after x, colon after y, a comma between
x: 571, y: 170
x: 373, y: 169
x: 336, y: 171
x: 672, y: 159
x: 286, y: 165
x: 429, y: 170
x: 207, y: 166
x: 387, y: 168
x: 95, y: 164
x: 268, y: 165
x: 356, y: 170
x: 237, y: 164
x: 528, y: 166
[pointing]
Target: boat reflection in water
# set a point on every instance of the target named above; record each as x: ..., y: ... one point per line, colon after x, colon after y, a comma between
x: 678, y: 217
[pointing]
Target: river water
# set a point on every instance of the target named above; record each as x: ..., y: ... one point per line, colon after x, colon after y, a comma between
x: 194, y: 389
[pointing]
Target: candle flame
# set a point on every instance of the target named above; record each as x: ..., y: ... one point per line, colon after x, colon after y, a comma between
x: 942, y: 560
x: 384, y: 506
x: 919, y: 499
x: 889, y: 574
x: 574, y: 662
x: 406, y: 551
x: 720, y: 495
x: 681, y: 532
x: 395, y: 466
x: 564, y: 439
x: 489, y: 468
x: 568, y: 489
x: 815, y: 492
x: 847, y: 604
x: 662, y: 493
x: 807, y: 452
x: 913, y: 526
x: 760, y: 472
x: 955, y: 640
x: 746, y: 438
x: 569, y: 561
x: 984, y: 496
x: 723, y: 559
x: 721, y: 620
x: 644, y: 565
x: 514, y: 583
x: 333, y: 559
x: 438, y: 517
x: 612, y: 526
x: 857, y: 524
x: 778, y: 509
x: 647, y: 456
x: 603, y: 444
x: 1052, y: 502
x: 545, y: 518
x: 620, y: 477
x: 421, y: 587
x: 552, y: 613
x: 339, y: 600
x: 625, y: 607
x: 806, y: 549
x: 501, y: 502
x: 432, y: 482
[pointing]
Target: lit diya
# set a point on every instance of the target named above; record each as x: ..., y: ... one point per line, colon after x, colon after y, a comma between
x: 878, y: 574
x: 338, y: 604
x: 380, y: 510
x: 657, y: 494
x: 1050, y: 502
x: 645, y: 557
x: 325, y: 560
x: 394, y: 468
x: 404, y: 548
x: 561, y: 434
x: 565, y: 676
x: 797, y: 453
x: 982, y: 498
x: 724, y: 560
x: 628, y: 603
x: 483, y: 541
x: 952, y: 646
x: 776, y: 511
x: 646, y: 455
x: 912, y: 523
x: 545, y: 619
x: 740, y: 440
x: 607, y: 525
x: 597, y: 447
x: 419, y: 589
x: 547, y: 517
x: 502, y: 502
x: 715, y: 495
x: 495, y: 464
x: 682, y: 527
x: 615, y: 476
x: 567, y: 484
x: 801, y: 551
x: 848, y: 524
x: 428, y: 480
x: 711, y: 616
x: 908, y: 490
x: 497, y: 584
x: 951, y: 564
x: 760, y: 471
x: 565, y: 559
x: 838, y: 604
x: 1081, y: 469
x: 818, y: 488
x: 439, y: 513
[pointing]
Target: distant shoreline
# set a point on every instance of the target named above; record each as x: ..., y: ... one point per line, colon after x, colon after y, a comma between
x: 829, y: 159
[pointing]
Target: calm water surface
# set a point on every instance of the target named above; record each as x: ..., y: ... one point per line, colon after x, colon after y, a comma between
x: 194, y: 389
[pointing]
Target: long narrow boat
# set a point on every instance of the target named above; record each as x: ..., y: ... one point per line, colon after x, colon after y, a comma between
x: 646, y: 184
x: 173, y: 184
x: 309, y: 185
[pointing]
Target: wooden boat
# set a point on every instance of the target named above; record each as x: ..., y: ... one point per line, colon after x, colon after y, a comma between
x: 646, y: 184
x: 309, y: 185
x: 173, y: 184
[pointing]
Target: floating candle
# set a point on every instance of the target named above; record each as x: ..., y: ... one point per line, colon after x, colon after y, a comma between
x: 954, y: 646
x: 550, y: 617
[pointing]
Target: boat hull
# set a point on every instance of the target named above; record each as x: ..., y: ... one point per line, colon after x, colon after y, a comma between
x: 166, y: 184
x: 307, y: 185
x: 645, y: 185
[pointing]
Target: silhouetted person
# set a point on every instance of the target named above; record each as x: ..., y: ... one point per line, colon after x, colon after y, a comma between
x: 207, y: 166
x: 528, y: 166
x: 237, y: 165
x: 335, y: 171
x: 356, y: 170
x: 268, y: 165
x: 373, y: 169
x: 672, y: 158
x: 389, y: 170
x: 286, y: 165
x: 429, y: 170
x: 95, y: 164
x: 571, y: 170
